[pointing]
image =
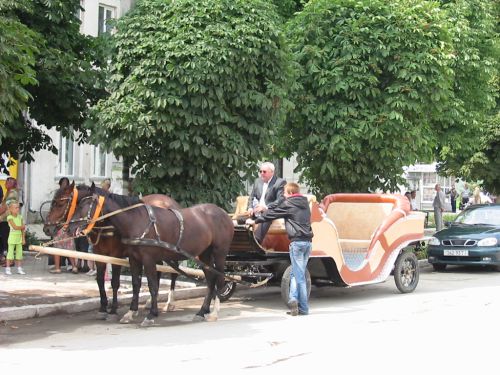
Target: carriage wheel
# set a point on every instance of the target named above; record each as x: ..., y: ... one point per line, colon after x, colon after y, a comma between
x: 227, y: 291
x: 285, y: 284
x: 406, y: 272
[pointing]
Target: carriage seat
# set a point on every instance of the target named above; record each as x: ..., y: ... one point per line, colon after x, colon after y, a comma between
x: 241, y: 206
x: 278, y: 225
x: 356, y: 222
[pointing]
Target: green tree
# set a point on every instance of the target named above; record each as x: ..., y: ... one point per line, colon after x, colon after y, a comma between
x: 197, y: 87
x: 18, y: 46
x: 469, y: 146
x: 287, y: 8
x: 50, y: 69
x: 374, y: 75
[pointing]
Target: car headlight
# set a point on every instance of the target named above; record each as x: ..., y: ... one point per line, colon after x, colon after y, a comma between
x: 434, y: 241
x: 490, y: 241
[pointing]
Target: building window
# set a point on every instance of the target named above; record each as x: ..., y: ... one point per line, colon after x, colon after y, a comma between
x: 100, y: 162
x: 106, y: 14
x: 80, y: 11
x: 66, y: 160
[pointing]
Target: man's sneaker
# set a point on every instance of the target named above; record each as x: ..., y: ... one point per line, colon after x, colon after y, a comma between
x: 7, y: 271
x: 294, y: 308
x: 20, y: 271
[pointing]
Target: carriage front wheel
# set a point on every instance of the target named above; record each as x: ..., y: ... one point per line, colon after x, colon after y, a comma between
x: 227, y: 291
x: 285, y: 284
x: 406, y: 272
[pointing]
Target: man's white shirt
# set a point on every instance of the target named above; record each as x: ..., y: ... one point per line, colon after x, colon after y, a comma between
x: 262, y: 201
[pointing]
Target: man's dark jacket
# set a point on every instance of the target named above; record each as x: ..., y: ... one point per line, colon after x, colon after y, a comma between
x: 274, y: 192
x: 295, y: 210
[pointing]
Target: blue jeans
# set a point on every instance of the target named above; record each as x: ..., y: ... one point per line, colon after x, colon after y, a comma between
x: 299, y: 255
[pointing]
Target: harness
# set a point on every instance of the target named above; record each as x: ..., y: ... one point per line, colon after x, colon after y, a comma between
x: 158, y: 242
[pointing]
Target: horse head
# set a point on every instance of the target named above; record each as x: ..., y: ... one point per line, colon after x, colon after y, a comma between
x: 95, y: 203
x: 63, y: 205
x: 59, y: 208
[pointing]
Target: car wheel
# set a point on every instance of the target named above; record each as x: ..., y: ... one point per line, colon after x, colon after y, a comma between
x: 285, y: 284
x: 439, y: 267
x: 406, y: 272
x: 227, y: 291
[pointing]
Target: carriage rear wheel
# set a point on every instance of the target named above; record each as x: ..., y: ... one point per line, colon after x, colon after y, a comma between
x: 227, y: 291
x: 406, y: 272
x: 285, y: 284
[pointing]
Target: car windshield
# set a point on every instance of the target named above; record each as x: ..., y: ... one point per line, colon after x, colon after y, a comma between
x: 489, y: 215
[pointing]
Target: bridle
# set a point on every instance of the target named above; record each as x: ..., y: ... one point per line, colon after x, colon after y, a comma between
x: 91, y: 219
x: 69, y: 211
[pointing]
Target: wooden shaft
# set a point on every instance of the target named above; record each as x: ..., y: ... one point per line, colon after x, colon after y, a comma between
x: 106, y: 259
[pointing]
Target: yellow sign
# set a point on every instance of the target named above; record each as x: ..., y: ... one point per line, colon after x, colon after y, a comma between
x: 13, y: 169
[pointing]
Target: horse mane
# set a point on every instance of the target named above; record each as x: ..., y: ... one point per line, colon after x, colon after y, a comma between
x: 121, y: 200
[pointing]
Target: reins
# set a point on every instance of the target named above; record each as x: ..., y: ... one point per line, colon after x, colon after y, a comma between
x: 158, y: 242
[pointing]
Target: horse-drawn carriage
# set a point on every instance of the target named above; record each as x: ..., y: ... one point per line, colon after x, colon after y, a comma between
x: 358, y: 239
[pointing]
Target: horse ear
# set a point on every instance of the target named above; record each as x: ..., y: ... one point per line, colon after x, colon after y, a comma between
x: 92, y: 187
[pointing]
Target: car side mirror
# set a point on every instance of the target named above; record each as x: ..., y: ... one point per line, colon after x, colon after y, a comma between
x: 447, y: 224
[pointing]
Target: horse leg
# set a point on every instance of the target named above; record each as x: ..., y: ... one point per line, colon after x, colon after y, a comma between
x: 220, y: 261
x: 170, y: 305
x: 158, y: 275
x: 136, y: 271
x: 116, y: 271
x: 153, y: 283
x: 210, y: 278
x: 103, y: 310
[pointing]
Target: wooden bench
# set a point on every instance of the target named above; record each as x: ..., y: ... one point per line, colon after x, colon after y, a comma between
x: 277, y: 226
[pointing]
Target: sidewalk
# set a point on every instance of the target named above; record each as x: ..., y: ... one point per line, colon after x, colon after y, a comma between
x: 40, y: 293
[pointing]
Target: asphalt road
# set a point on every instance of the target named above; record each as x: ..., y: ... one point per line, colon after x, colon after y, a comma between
x: 449, y: 324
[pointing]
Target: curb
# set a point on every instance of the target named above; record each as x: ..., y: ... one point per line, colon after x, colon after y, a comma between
x: 38, y: 311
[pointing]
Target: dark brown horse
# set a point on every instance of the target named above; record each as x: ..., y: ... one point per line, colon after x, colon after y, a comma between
x: 153, y: 234
x: 104, y: 239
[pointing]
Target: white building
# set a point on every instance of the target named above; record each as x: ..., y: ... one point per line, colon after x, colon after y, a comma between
x: 81, y: 163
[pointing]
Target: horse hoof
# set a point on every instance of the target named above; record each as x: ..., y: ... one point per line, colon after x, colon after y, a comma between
x: 147, y: 322
x: 101, y: 315
x: 128, y: 317
x: 211, y: 318
x: 198, y: 318
x: 168, y: 307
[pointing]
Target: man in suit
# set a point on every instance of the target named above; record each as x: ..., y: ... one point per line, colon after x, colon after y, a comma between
x: 267, y: 192
x: 439, y: 204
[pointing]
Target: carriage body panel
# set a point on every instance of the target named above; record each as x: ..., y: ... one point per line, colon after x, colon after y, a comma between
x: 357, y: 239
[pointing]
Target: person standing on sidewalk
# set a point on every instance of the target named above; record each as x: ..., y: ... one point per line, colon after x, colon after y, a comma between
x: 439, y: 204
x: 16, y: 238
x: 295, y: 210
x: 63, y: 240
x: 11, y: 195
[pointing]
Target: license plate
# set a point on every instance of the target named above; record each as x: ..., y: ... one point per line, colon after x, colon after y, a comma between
x: 460, y: 253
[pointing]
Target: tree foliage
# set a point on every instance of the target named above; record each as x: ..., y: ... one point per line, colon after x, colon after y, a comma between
x: 374, y: 76
x: 50, y: 68
x: 197, y: 87
x: 469, y: 146
x: 287, y: 8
